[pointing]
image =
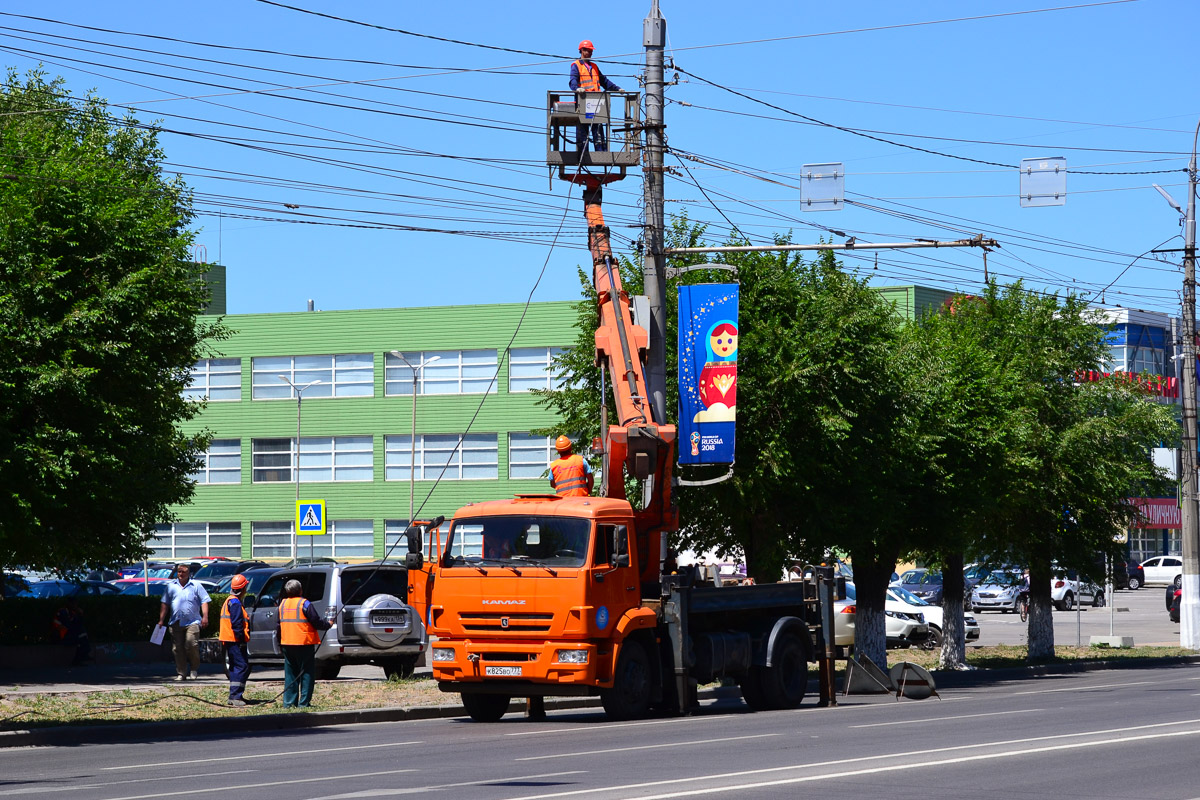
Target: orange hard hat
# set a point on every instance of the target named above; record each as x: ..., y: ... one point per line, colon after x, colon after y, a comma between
x: 562, y: 444
x: 238, y: 583
x: 586, y: 44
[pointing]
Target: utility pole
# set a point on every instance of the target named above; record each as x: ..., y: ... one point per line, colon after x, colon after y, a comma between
x: 654, y: 37
x: 1189, y: 605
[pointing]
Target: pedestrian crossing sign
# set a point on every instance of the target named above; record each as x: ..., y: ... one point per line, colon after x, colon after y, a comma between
x: 310, y: 517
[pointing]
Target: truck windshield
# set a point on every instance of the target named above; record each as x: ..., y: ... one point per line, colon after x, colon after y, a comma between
x: 519, y: 540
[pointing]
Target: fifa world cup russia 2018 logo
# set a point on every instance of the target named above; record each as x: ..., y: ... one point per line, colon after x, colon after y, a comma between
x: 695, y: 440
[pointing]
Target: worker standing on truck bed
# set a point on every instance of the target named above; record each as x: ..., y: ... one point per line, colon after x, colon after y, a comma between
x: 570, y: 475
x: 587, y: 77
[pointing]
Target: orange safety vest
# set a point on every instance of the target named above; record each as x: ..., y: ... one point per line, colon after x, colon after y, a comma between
x: 570, y: 478
x: 294, y: 627
x: 226, y: 634
x: 589, y: 76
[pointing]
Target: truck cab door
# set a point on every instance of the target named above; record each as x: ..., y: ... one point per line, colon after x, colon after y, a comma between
x: 615, y: 576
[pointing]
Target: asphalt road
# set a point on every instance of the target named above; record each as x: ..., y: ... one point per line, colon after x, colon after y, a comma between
x: 1141, y: 614
x: 1102, y: 734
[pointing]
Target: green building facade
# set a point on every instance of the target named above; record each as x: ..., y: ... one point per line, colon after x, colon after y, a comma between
x: 356, y: 424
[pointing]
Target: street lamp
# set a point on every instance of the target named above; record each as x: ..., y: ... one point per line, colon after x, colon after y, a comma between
x: 412, y: 453
x: 299, y: 390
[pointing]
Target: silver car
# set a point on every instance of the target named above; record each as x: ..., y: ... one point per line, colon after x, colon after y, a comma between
x: 999, y: 591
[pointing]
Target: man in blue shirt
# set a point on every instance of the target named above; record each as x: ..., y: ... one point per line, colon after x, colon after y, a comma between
x: 187, y: 603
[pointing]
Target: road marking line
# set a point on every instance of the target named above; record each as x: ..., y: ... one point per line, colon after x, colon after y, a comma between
x: 912, y: 759
x: 241, y: 788
x: 941, y: 719
x: 1086, y: 688
x: 944, y: 762
x: 304, y: 753
x: 73, y: 787
x: 415, y: 789
x: 648, y: 747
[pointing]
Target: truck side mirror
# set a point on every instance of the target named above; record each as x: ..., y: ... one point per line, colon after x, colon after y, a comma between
x: 414, y: 539
x: 620, y: 546
x: 414, y: 561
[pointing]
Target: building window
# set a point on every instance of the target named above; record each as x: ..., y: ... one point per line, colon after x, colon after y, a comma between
x: 322, y: 459
x: 271, y: 539
x: 454, y: 372
x: 190, y: 539
x: 340, y: 376
x: 529, y: 456
x: 222, y: 463
x: 531, y: 368
x: 216, y: 379
x: 346, y: 538
x: 476, y: 459
x: 395, y: 543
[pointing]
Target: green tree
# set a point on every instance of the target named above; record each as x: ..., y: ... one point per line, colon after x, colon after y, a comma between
x: 98, y: 329
x: 1048, y: 460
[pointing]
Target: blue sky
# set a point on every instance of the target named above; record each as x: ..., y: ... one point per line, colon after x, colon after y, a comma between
x: 1106, y: 86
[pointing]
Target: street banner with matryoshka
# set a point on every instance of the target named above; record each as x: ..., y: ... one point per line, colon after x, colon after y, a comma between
x: 708, y: 344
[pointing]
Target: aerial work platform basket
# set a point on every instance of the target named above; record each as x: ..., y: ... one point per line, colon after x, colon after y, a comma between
x: 569, y: 115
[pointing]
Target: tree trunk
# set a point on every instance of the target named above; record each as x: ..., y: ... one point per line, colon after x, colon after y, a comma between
x: 954, y: 634
x: 871, y: 575
x: 1041, y: 622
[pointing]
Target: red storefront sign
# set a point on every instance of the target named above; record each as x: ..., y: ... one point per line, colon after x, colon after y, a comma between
x: 1152, y: 384
x: 1158, y: 512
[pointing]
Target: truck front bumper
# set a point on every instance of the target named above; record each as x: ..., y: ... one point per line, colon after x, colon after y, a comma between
x: 462, y: 662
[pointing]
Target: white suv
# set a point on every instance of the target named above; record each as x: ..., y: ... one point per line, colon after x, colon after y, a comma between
x: 366, y: 603
x: 1066, y: 590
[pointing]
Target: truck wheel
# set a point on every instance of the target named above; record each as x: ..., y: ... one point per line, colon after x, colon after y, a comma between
x: 751, y: 686
x: 783, y: 684
x: 630, y: 695
x: 327, y: 671
x: 485, y: 707
x: 399, y: 668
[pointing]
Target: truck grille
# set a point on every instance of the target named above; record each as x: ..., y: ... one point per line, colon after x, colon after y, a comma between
x: 487, y: 622
x: 510, y: 657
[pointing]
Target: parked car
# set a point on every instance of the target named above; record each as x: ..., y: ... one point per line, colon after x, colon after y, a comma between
x: 256, y: 577
x: 217, y: 570
x: 61, y: 588
x: 1164, y: 569
x: 904, y: 626
x: 927, y: 585
x: 1000, y: 591
x: 14, y: 584
x: 1176, y: 599
x: 372, y: 622
x: 1127, y: 575
x: 155, y: 587
x: 1066, y: 590
x: 934, y: 616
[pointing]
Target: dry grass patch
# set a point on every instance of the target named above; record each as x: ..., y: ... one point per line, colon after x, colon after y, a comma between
x: 18, y: 712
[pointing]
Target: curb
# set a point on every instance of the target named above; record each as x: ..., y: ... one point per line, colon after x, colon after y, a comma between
x: 158, y: 731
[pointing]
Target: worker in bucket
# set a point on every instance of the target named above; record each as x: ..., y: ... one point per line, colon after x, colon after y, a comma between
x: 587, y: 77
x: 570, y: 475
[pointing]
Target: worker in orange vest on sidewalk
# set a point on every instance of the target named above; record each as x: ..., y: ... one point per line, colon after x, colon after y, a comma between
x: 234, y: 635
x: 570, y: 475
x: 299, y: 624
x: 587, y: 77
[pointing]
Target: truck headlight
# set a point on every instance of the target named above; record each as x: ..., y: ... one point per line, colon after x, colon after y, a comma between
x: 443, y: 654
x: 571, y: 656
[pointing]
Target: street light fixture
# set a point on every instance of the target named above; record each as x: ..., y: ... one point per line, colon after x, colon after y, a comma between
x: 299, y: 390
x: 412, y: 453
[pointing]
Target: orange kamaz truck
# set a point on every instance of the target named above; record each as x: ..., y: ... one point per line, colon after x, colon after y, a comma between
x: 543, y: 595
